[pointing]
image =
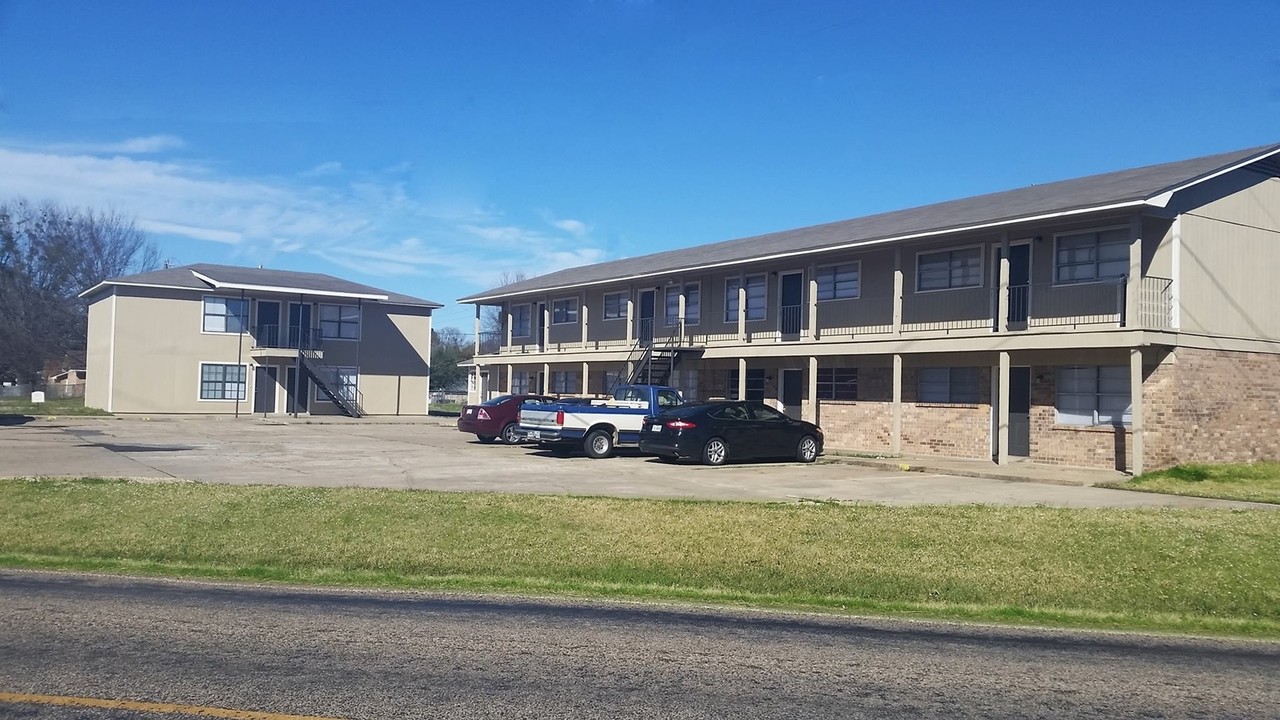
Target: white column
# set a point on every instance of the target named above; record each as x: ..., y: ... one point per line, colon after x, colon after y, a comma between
x: 631, y: 321
x: 510, y: 378
x: 742, y: 310
x: 1131, y: 294
x: 895, y: 430
x: 742, y: 378
x: 814, y: 412
x: 477, y: 348
x: 1002, y: 293
x: 813, y: 302
x: 1135, y: 397
x: 681, y: 311
x: 897, y: 291
x: 1002, y: 412
x: 509, y: 323
x: 586, y: 378
x: 546, y: 326
x: 546, y: 379
x: 582, y: 315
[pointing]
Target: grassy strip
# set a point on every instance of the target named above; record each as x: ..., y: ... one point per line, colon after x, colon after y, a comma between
x: 1180, y: 570
x: 59, y: 406
x: 1256, y: 482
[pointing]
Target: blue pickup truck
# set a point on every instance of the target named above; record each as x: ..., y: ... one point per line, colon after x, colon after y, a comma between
x: 599, y: 426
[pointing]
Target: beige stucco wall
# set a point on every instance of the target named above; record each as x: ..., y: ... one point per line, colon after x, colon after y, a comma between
x: 98, y: 353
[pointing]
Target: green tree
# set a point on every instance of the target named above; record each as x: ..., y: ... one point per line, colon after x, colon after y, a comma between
x: 449, y: 347
x: 49, y: 254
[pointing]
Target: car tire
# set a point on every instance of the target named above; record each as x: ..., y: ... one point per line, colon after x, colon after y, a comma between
x: 598, y: 444
x: 486, y: 438
x: 715, y: 452
x: 807, y: 449
x: 510, y: 434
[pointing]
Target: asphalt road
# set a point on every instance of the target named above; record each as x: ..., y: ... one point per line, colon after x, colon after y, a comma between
x: 351, y: 654
x: 438, y: 457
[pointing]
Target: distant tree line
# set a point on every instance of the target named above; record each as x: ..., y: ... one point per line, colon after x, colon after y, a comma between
x: 49, y: 254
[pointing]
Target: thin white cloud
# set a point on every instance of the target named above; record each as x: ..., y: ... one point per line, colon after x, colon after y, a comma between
x: 324, y: 169
x: 145, y: 145
x: 576, y: 228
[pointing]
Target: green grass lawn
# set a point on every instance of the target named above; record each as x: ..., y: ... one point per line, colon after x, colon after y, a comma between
x: 60, y: 406
x: 1257, y: 482
x: 1209, y: 571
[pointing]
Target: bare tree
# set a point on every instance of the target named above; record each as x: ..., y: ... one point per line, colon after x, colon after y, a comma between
x: 491, y: 321
x: 48, y: 255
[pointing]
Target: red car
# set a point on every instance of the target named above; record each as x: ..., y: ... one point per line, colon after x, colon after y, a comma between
x: 498, y: 418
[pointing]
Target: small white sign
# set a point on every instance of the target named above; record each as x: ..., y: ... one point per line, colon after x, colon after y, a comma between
x: 37, y: 396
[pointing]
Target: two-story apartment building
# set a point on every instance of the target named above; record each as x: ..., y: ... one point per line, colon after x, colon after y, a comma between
x: 1127, y: 320
x: 216, y: 339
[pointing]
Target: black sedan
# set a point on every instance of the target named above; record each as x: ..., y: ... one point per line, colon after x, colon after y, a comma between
x: 718, y: 431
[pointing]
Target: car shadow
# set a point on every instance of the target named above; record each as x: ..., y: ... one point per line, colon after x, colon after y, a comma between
x: 15, y: 419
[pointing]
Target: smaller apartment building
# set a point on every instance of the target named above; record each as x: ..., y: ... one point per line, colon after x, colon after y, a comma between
x: 1126, y: 320
x: 214, y: 339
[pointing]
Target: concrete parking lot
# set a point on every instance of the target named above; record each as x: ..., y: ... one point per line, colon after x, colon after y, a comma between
x: 432, y: 455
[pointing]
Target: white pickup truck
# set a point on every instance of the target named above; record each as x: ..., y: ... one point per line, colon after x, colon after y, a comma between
x: 601, y: 425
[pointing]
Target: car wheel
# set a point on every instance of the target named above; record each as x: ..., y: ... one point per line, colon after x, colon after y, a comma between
x: 599, y: 444
x: 510, y: 435
x: 487, y: 438
x: 807, y: 450
x: 715, y: 452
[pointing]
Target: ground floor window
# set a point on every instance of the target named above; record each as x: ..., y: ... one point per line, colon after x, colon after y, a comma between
x: 1094, y: 395
x: 522, y: 382
x: 957, y: 385
x: 612, y: 379
x: 223, y: 382
x: 343, y: 383
x: 686, y: 381
x: 755, y: 385
x: 564, y: 381
x: 837, y: 383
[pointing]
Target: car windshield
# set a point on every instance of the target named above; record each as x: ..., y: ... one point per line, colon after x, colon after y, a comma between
x: 496, y: 401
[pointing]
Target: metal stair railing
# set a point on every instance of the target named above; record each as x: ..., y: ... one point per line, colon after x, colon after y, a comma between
x: 326, y: 377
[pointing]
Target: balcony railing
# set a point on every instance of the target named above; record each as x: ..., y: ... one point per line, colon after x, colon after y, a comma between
x: 791, y: 320
x: 291, y: 337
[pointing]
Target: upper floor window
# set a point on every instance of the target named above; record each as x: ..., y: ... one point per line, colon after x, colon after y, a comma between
x: 949, y: 385
x: 340, y: 321
x: 949, y: 269
x: 520, y: 321
x: 755, y: 285
x: 615, y: 306
x: 564, y: 311
x: 838, y: 282
x: 1092, y: 256
x: 837, y: 383
x: 692, y: 304
x: 225, y: 315
x: 1094, y: 395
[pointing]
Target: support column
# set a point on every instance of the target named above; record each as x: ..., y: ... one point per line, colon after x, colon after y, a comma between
x: 545, y: 335
x: 546, y: 379
x: 897, y: 291
x: 1134, y: 281
x: 813, y: 302
x: 681, y: 311
x: 477, y: 347
x: 586, y: 378
x: 895, y: 430
x: 1138, y: 425
x: 631, y: 324
x: 583, y: 315
x: 510, y: 323
x: 742, y: 310
x: 814, y: 413
x: 1002, y: 412
x: 510, y: 378
x: 742, y: 378
x: 1002, y: 291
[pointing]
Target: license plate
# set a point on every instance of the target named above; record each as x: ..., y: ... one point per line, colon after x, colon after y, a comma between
x: 652, y: 428
x: 534, y: 435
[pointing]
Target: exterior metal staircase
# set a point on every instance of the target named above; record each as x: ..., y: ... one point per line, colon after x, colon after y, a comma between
x: 327, y: 379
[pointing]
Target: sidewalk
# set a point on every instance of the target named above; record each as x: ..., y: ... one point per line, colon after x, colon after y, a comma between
x: 1018, y: 470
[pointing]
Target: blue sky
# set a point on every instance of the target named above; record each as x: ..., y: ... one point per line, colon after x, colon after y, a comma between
x: 427, y: 148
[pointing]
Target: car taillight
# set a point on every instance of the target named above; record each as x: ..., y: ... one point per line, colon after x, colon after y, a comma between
x: 481, y: 414
x: 560, y: 417
x: 680, y: 425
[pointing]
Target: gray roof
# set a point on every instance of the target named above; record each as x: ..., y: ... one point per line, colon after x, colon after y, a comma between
x: 189, y: 276
x: 1126, y: 187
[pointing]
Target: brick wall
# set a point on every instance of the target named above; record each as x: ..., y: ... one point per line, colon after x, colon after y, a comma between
x: 1098, y: 447
x: 1213, y: 406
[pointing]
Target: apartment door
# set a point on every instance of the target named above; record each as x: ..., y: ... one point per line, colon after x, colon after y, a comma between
x: 644, y: 321
x: 266, y: 323
x: 1020, y: 411
x: 296, y: 401
x: 1019, y: 282
x: 790, y: 303
x: 793, y: 392
x: 299, y: 325
x: 265, y: 383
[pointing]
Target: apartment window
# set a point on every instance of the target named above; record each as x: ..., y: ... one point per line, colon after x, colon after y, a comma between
x: 225, y: 315
x: 686, y: 381
x: 755, y: 285
x: 949, y: 385
x: 564, y: 311
x: 612, y: 378
x: 1092, y: 256
x: 615, y: 306
x: 340, y: 321
x: 522, y: 382
x: 949, y: 269
x: 564, y: 381
x: 1094, y: 395
x: 837, y: 383
x: 755, y: 384
x: 222, y: 382
x: 838, y: 282
x: 692, y: 304
x: 520, y: 320
x: 344, y: 382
